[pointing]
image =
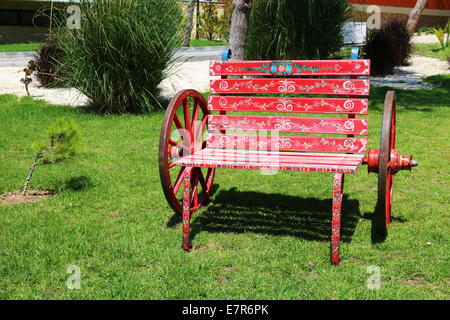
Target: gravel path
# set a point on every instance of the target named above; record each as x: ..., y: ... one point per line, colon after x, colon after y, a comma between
x: 182, y: 76
x: 431, y: 38
x: 411, y: 77
x: 195, y: 75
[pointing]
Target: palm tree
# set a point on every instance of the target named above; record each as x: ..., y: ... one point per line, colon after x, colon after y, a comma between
x: 415, y: 14
x: 188, y: 27
x: 239, y: 27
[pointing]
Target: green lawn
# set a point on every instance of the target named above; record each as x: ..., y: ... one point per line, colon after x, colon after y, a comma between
x: 261, y: 237
x: 19, y: 47
x: 433, y: 50
x: 206, y: 43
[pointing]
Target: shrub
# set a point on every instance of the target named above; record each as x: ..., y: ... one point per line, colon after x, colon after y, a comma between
x: 121, y: 51
x: 208, y: 21
x: 442, y: 34
x: 401, y: 38
x: 291, y: 29
x: 46, y: 60
x: 448, y: 60
x: 388, y: 47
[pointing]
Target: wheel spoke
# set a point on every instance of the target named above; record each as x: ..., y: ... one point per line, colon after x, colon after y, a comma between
x: 195, y: 178
x: 202, y: 181
x: 177, y: 122
x: 178, y: 145
x: 209, y: 176
x: 187, y: 120
x: 171, y: 165
x: 195, y: 118
x: 202, y: 127
x: 179, y: 180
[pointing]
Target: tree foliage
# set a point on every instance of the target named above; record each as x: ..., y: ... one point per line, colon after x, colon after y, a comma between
x: 209, y: 21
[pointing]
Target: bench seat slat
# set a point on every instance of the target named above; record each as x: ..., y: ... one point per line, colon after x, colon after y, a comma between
x: 272, y: 161
x: 290, y: 154
x: 288, y: 124
x: 291, y: 68
x: 286, y: 143
x: 296, y: 105
x: 276, y: 159
x: 353, y: 87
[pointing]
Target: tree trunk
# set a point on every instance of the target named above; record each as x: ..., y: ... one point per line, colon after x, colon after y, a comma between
x: 25, y: 187
x: 189, y: 22
x: 415, y: 14
x: 239, y: 27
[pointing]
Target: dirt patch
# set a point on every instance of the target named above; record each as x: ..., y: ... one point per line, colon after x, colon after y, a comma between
x: 16, y: 196
x: 209, y: 246
x: 419, y: 282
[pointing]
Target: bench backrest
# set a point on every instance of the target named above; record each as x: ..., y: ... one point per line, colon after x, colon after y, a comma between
x: 288, y: 111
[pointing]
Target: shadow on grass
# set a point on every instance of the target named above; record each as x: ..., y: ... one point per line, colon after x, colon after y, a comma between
x: 77, y: 183
x: 234, y: 211
x: 376, y: 237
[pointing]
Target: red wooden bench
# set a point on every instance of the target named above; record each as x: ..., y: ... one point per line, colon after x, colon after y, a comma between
x: 198, y: 136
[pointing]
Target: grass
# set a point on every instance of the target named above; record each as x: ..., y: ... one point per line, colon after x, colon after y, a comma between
x: 433, y: 50
x: 19, y: 47
x: 206, y: 43
x: 261, y: 237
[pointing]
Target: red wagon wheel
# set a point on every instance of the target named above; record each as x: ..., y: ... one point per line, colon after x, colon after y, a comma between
x: 183, y: 133
x: 385, y: 165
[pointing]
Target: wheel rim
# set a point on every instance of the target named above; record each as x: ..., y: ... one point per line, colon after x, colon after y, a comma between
x: 385, y: 171
x: 182, y: 133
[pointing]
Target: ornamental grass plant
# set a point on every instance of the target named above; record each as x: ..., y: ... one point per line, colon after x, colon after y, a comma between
x: 291, y: 29
x: 121, y: 52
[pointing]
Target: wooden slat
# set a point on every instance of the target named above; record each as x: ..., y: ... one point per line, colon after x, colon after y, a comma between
x: 286, y: 143
x: 288, y: 124
x: 288, y: 162
x: 274, y: 157
x: 290, y: 154
x: 290, y: 68
x: 279, y: 104
x: 294, y: 86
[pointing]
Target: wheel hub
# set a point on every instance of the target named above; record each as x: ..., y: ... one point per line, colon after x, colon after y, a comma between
x: 397, y: 161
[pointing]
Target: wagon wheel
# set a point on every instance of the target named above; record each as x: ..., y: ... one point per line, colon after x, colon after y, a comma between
x: 182, y: 133
x: 385, y: 170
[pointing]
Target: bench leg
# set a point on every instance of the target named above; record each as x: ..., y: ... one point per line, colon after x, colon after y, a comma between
x: 338, y: 187
x: 187, y: 209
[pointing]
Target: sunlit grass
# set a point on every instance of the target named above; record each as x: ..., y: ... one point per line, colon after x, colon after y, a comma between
x: 433, y: 50
x: 261, y: 237
x: 19, y: 47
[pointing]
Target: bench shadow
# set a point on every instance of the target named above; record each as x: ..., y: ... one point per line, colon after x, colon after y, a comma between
x: 234, y: 211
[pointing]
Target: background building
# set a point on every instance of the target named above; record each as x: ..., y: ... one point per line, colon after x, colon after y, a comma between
x: 27, y: 20
x: 437, y: 12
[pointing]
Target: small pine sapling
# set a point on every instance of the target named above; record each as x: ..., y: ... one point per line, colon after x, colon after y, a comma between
x: 63, y: 141
x: 26, y: 80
